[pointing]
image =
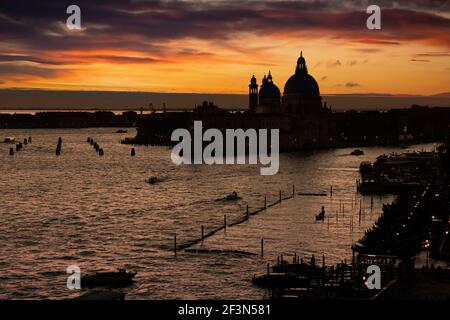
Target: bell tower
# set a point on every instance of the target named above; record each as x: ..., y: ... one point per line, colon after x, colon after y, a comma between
x: 253, y: 94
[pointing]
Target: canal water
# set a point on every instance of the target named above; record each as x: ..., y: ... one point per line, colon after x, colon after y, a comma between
x: 100, y: 214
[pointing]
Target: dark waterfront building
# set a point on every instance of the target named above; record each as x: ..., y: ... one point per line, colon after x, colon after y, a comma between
x: 65, y: 119
x: 299, y: 114
x: 304, y: 121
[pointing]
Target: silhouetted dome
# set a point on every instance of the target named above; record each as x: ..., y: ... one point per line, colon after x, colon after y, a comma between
x: 269, y: 89
x: 301, y: 82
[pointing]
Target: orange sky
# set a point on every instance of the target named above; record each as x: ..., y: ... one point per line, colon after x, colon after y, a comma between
x: 193, y: 52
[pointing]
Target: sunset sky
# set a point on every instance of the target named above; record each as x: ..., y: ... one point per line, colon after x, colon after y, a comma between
x: 215, y: 46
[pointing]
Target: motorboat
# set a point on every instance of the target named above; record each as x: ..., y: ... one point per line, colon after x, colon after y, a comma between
x: 108, y: 279
x: 232, y: 196
x: 357, y: 152
x: 9, y: 140
x: 153, y: 180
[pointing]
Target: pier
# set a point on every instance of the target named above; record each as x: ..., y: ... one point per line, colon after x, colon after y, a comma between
x: 245, y: 217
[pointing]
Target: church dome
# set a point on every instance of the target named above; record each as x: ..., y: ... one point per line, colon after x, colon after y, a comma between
x: 269, y: 89
x: 301, y: 82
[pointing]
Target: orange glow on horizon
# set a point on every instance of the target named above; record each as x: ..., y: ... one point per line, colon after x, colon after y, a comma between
x: 205, y: 66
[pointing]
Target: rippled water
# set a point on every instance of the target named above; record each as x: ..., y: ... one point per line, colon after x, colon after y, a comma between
x: 99, y: 213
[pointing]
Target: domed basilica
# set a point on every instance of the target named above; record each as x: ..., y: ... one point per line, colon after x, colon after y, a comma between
x: 298, y: 113
x: 301, y: 94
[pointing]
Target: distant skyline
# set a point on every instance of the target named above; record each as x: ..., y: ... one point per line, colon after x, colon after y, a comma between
x: 216, y: 46
x: 28, y: 99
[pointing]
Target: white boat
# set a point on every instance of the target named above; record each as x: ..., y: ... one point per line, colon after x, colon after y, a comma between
x: 10, y: 140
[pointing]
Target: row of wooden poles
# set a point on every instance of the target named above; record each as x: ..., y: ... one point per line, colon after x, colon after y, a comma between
x: 58, y: 150
x: 296, y: 259
x: 361, y: 212
x: 96, y: 146
x: 19, y: 146
x: 246, y: 217
x: 100, y: 151
x: 90, y: 140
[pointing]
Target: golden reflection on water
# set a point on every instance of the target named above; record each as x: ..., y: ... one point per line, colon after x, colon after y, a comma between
x: 99, y: 213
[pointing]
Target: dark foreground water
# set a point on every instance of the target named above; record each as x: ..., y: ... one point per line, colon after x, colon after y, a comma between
x: 99, y: 213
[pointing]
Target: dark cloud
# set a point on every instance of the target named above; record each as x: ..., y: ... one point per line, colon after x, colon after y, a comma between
x: 12, y: 70
x: 122, y: 59
x: 35, y: 29
x: 433, y: 54
x: 332, y: 64
x: 26, y: 58
x: 351, y: 84
x: 368, y: 50
x: 136, y: 24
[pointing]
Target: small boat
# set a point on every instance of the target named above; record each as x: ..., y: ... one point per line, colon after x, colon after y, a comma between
x: 153, y: 180
x: 9, y: 140
x: 121, y: 131
x: 118, y: 278
x: 321, y: 215
x: 357, y: 152
x: 232, y: 196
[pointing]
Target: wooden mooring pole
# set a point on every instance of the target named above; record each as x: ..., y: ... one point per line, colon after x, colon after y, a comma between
x: 203, y: 234
x: 360, y: 210
x: 262, y: 247
x: 175, y: 244
x: 359, y: 216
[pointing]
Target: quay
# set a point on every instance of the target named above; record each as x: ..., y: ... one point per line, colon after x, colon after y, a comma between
x: 414, y: 225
